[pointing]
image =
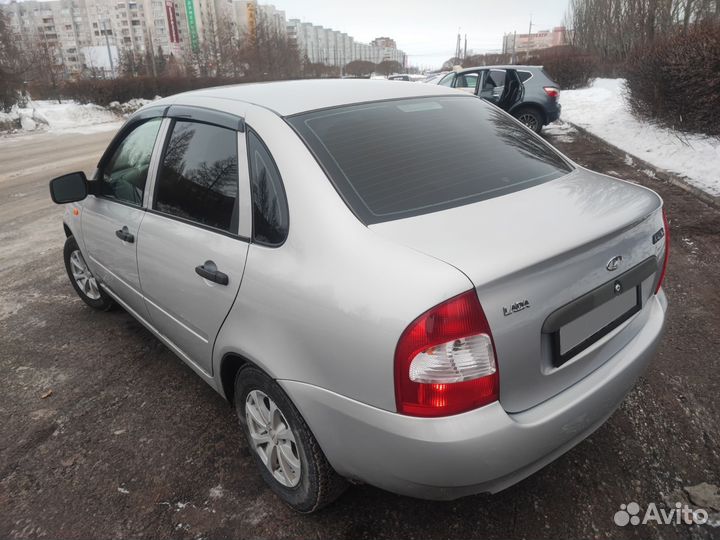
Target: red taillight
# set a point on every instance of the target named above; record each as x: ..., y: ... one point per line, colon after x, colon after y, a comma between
x: 445, y: 360
x: 667, y: 251
x: 551, y: 91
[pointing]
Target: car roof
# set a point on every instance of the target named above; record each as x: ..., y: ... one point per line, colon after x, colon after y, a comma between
x: 286, y: 98
x: 505, y: 66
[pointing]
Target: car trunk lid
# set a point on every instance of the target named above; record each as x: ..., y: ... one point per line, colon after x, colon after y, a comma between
x: 533, y: 255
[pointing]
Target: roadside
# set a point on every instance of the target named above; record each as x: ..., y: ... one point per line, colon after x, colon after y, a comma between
x: 131, y: 443
x: 602, y: 110
x: 67, y: 116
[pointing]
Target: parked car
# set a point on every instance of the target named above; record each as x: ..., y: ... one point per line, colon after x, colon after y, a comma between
x: 395, y: 284
x: 526, y: 92
x: 434, y: 78
x: 407, y: 77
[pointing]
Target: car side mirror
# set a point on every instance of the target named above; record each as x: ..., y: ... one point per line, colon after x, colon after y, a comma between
x: 69, y: 188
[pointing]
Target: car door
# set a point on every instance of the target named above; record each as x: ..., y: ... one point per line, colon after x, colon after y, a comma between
x: 492, y: 85
x: 195, y: 236
x: 502, y: 87
x: 111, y: 216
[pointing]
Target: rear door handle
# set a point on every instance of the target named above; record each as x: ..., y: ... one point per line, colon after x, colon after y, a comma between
x: 209, y: 271
x: 125, y: 235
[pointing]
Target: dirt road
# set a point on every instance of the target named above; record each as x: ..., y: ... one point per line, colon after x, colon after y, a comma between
x: 132, y: 444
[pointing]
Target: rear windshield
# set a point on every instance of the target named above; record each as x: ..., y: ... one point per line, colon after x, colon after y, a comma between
x: 402, y: 158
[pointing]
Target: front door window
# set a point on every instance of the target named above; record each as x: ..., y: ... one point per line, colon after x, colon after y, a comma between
x: 124, y: 176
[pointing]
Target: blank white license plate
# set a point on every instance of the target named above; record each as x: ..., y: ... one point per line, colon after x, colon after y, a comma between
x: 584, y: 327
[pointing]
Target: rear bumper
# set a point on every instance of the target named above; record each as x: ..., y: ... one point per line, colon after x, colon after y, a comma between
x: 554, y: 114
x: 485, y: 450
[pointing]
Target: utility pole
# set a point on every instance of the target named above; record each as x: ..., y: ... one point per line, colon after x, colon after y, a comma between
x: 529, y: 40
x: 107, y: 44
x: 457, y: 45
x: 465, y: 49
x: 513, y: 59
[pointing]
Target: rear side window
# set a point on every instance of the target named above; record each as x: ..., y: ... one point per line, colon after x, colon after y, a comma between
x: 270, y: 211
x: 198, y: 179
x: 402, y: 158
x: 524, y: 75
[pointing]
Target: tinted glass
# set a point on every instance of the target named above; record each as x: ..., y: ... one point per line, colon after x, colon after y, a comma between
x: 270, y: 213
x: 125, y: 174
x: 494, y: 79
x: 198, y: 179
x: 524, y: 75
x: 402, y: 158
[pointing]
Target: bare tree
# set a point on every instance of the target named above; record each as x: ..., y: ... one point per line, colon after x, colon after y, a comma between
x: 613, y: 28
x: 13, y: 65
x: 47, y: 63
x: 388, y: 67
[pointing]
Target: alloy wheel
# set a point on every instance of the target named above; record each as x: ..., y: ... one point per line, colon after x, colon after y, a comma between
x: 529, y: 120
x: 272, y: 438
x: 83, y: 277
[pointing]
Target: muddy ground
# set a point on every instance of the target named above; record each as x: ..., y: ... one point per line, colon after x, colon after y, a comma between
x: 130, y: 443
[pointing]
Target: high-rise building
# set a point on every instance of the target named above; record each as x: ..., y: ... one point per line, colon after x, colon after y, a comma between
x: 384, y: 42
x: 92, y: 35
x: 334, y: 48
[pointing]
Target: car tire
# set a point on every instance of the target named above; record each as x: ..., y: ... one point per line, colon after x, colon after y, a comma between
x: 84, y: 283
x: 307, y: 488
x: 530, y: 117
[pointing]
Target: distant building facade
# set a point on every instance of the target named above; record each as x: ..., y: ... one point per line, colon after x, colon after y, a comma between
x: 543, y: 39
x: 91, y: 35
x: 334, y: 48
x: 87, y: 34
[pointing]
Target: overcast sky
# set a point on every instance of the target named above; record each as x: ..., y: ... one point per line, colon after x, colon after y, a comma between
x: 426, y: 30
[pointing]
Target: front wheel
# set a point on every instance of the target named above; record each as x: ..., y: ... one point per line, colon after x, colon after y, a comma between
x: 530, y: 117
x: 285, y: 450
x: 82, y: 279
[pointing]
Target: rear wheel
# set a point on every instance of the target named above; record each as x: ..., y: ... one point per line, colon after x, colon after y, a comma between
x: 286, y: 452
x: 82, y: 279
x: 530, y: 117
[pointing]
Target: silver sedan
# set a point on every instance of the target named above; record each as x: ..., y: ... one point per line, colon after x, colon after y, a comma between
x: 393, y: 284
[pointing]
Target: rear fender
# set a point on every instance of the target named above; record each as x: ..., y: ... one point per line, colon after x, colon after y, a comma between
x: 530, y: 105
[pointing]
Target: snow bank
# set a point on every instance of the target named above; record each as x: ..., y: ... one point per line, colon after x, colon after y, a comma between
x: 129, y: 107
x: 67, y: 116
x: 602, y: 110
x: 58, y: 116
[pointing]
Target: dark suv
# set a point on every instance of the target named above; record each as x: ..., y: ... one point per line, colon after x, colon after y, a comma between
x: 526, y: 92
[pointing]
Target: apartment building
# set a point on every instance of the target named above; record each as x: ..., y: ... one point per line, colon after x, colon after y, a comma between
x: 334, y: 48
x: 91, y: 35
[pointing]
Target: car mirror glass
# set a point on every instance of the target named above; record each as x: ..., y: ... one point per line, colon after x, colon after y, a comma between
x: 69, y: 188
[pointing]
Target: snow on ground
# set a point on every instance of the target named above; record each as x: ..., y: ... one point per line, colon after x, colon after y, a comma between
x: 602, y: 110
x: 68, y: 116
x: 54, y: 116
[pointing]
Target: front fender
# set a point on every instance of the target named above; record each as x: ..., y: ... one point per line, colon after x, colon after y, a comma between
x: 72, y: 223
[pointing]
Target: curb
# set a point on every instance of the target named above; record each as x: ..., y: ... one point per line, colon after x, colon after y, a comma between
x: 661, y: 174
